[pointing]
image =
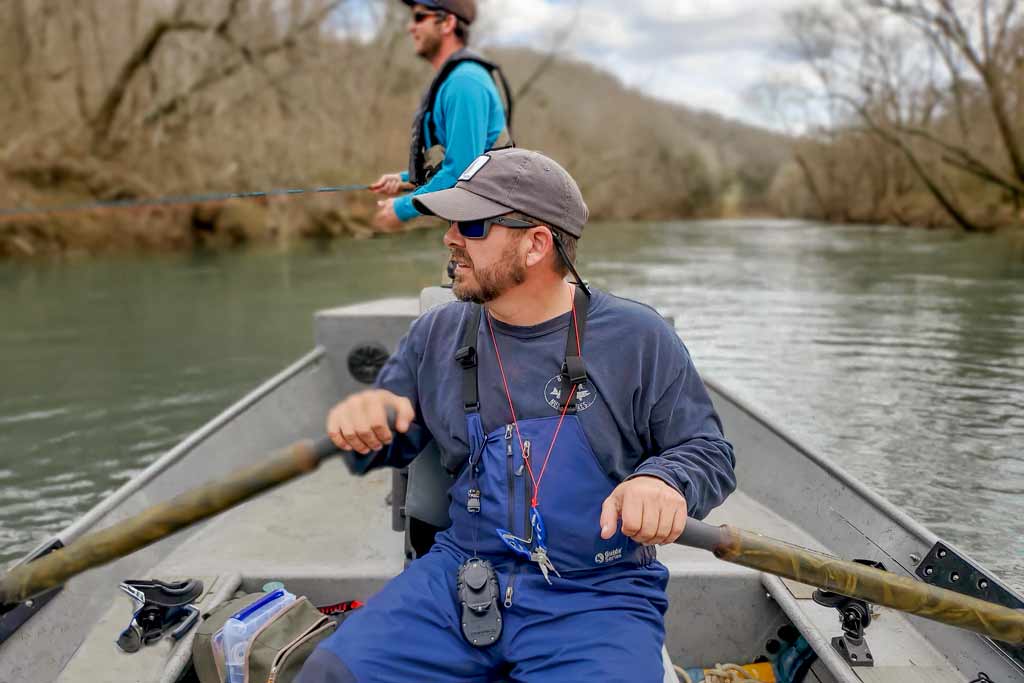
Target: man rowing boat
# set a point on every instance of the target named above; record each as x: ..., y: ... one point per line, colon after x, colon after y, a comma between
x: 561, y: 411
x: 461, y: 115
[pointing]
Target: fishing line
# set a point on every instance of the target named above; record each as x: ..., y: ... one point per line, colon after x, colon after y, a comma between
x: 182, y: 200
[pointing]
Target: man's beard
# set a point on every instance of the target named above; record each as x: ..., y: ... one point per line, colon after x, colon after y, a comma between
x: 429, y: 47
x: 506, y: 273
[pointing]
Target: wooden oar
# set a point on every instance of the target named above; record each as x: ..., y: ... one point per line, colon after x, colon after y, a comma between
x: 856, y: 580
x: 730, y: 544
x: 125, y: 537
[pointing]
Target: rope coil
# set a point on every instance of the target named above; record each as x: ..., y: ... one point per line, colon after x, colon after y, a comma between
x: 722, y: 673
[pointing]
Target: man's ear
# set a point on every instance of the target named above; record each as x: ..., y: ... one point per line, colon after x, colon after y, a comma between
x: 449, y: 24
x: 541, y: 244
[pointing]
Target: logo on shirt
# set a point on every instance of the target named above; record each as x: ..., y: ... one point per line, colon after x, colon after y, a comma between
x: 556, y: 391
x: 608, y: 556
x: 474, y: 168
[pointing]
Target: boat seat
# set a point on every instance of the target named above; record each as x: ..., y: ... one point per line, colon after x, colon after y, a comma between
x: 420, y: 501
x: 419, y: 494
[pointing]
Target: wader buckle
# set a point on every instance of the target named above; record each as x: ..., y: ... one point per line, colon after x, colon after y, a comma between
x: 574, y: 370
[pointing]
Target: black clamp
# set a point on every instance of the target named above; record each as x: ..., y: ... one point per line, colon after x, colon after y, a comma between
x: 160, y: 609
x: 478, y: 593
x: 466, y: 356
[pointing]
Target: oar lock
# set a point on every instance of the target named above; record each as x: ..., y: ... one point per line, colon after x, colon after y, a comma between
x: 855, y: 617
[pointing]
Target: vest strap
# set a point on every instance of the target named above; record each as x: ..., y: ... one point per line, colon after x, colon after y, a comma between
x: 423, y: 127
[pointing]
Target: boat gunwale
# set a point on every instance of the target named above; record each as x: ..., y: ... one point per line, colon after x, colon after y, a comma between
x: 179, y: 452
x: 855, y: 485
x: 883, y: 505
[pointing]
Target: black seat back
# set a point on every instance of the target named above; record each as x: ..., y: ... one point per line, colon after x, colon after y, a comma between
x: 419, y: 495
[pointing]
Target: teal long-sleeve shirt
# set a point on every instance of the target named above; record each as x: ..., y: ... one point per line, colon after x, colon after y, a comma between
x: 468, y: 118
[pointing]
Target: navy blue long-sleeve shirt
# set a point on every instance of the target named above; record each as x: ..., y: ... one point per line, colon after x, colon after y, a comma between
x: 646, y: 411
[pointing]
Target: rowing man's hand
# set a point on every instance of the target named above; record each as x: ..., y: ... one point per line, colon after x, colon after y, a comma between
x: 360, y: 422
x: 652, y: 512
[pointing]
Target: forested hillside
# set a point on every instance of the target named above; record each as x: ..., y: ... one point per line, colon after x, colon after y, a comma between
x: 114, y: 99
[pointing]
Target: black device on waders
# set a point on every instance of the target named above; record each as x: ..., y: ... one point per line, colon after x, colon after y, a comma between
x: 478, y: 594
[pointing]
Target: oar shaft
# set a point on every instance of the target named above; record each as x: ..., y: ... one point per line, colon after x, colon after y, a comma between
x: 161, y: 520
x: 857, y: 580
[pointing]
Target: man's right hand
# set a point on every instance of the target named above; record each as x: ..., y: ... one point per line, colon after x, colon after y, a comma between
x: 360, y: 422
x: 391, y: 184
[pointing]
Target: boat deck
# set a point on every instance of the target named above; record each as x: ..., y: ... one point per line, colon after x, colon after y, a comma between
x: 331, y: 532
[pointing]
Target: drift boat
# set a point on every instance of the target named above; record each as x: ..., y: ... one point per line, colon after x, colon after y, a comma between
x: 333, y: 537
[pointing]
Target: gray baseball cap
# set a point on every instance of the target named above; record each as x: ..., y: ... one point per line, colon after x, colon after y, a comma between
x: 508, y: 180
x: 463, y: 9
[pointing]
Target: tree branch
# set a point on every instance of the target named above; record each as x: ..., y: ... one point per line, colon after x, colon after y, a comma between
x: 142, y: 54
x: 249, y: 56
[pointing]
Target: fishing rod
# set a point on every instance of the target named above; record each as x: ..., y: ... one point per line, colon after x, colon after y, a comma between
x: 158, y: 202
x: 726, y: 542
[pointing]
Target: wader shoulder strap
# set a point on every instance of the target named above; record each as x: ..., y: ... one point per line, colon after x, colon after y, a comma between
x: 574, y: 369
x: 467, y: 359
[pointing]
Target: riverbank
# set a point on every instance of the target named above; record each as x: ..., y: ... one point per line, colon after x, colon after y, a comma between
x: 278, y: 220
x: 172, y: 228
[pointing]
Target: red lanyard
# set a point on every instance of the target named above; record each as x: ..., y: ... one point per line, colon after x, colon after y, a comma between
x: 544, y: 466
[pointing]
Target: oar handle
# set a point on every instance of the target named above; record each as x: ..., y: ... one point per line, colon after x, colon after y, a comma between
x: 698, y: 534
x: 856, y: 580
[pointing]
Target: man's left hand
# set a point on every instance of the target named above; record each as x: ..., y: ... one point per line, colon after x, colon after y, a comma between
x: 652, y: 512
x: 386, y: 219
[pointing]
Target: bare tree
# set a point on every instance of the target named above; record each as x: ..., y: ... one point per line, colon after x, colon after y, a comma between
x: 978, y: 43
x: 918, y: 91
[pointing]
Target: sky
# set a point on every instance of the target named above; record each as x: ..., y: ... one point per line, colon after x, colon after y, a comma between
x: 702, y: 53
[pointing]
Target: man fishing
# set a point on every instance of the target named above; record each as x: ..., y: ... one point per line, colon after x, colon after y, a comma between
x: 461, y: 115
x: 561, y: 411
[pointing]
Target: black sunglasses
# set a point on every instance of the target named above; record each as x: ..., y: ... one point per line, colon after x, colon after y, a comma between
x: 478, y: 230
x: 418, y: 17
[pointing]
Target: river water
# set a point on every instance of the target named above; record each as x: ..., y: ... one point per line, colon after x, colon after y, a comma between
x: 897, y: 353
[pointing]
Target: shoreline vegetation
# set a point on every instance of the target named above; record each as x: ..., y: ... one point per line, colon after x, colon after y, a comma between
x: 910, y: 112
x: 123, y: 99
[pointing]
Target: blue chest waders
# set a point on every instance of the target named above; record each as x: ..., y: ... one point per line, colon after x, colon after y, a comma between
x: 603, y: 620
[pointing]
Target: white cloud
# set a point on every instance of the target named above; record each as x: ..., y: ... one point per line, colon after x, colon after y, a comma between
x: 703, y: 53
